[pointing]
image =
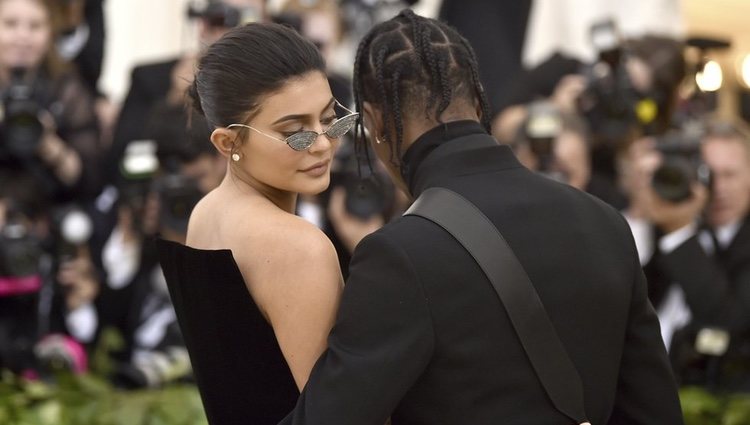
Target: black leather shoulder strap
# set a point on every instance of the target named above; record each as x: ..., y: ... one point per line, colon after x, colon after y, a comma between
x: 467, y: 224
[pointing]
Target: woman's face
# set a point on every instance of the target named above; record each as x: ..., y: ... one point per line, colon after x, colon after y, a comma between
x: 25, y: 33
x: 303, y: 103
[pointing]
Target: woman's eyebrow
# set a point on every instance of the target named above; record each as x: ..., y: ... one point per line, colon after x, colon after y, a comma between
x: 302, y: 116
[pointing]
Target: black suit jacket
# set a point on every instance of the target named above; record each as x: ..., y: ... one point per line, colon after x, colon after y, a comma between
x: 717, y: 291
x: 422, y: 337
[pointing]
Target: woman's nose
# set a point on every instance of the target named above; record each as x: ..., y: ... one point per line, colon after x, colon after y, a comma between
x: 322, y: 143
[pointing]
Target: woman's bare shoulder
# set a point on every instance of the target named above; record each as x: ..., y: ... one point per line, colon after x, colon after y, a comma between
x: 289, y: 241
x: 264, y: 240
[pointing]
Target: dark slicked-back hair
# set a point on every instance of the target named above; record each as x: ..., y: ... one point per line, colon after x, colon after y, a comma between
x: 247, y: 63
x: 415, y: 65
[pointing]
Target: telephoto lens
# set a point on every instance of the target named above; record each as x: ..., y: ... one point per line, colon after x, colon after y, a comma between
x: 681, y: 167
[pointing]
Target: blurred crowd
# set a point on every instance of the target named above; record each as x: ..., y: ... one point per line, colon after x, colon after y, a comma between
x: 82, y: 195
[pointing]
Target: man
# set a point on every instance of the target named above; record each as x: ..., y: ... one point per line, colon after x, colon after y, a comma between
x: 421, y: 336
x: 700, y: 279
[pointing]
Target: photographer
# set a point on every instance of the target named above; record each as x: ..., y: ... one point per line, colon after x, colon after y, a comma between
x: 555, y: 144
x: 134, y: 297
x: 629, y: 92
x: 48, y: 282
x: 699, y: 268
x: 48, y: 127
x: 166, y: 81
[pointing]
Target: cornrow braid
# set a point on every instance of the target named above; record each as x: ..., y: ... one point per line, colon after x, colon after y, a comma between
x: 410, y: 61
x: 396, y: 153
x: 360, y: 142
x: 478, y: 89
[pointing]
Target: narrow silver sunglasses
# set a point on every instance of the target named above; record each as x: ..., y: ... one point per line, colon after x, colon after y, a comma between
x: 302, y: 140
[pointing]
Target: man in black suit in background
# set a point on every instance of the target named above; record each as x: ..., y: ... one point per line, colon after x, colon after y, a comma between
x: 699, y: 274
x: 421, y: 336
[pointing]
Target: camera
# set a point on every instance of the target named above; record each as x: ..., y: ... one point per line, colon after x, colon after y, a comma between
x: 610, y: 103
x: 366, y: 195
x: 20, y: 283
x: 20, y: 254
x: 178, y: 195
x: 542, y: 126
x: 20, y: 128
x: 219, y: 14
x: 682, y: 165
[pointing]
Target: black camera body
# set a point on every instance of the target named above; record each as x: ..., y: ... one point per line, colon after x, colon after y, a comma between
x: 610, y: 102
x: 682, y: 165
x: 20, y: 128
x: 178, y: 195
x: 366, y: 195
x: 20, y: 252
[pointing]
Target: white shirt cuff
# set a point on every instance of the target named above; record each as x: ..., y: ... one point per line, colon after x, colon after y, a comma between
x: 671, y: 241
x: 82, y: 323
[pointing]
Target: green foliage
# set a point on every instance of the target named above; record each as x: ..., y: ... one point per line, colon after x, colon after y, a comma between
x: 701, y: 407
x: 90, y: 400
x: 83, y: 400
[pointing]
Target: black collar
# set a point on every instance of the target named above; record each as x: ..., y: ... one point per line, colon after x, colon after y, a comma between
x: 429, y: 141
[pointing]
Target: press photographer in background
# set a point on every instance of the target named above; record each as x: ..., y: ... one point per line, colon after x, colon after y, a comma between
x: 48, y: 128
x: 693, y: 192
x: 166, y: 81
x: 558, y: 145
x: 163, y: 178
x: 48, y: 282
x: 628, y: 92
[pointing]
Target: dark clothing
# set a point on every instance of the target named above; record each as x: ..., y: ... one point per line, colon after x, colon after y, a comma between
x: 540, y: 81
x: 241, y: 373
x: 89, y: 59
x: 717, y: 292
x: 421, y: 336
x: 71, y: 106
x: 496, y: 30
x: 149, y: 85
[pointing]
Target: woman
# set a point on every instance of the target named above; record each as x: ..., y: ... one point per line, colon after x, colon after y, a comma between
x: 49, y: 126
x: 263, y: 87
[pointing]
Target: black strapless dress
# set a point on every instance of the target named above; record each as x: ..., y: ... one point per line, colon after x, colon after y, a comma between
x: 241, y: 373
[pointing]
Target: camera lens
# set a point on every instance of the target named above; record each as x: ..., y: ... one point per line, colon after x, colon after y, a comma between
x: 673, y: 179
x: 364, y: 197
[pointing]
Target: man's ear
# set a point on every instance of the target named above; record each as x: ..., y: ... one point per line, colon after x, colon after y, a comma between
x: 373, y: 119
x: 223, y: 140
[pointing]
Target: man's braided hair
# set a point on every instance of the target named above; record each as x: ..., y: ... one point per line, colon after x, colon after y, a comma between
x: 412, y: 62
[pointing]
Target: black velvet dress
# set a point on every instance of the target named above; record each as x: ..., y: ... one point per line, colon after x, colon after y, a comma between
x: 241, y: 373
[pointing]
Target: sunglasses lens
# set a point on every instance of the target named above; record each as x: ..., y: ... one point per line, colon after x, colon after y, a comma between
x: 341, y: 126
x: 302, y: 140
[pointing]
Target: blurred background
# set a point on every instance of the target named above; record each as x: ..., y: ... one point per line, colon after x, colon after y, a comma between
x: 644, y: 104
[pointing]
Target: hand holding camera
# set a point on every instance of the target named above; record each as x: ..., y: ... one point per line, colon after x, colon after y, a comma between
x: 349, y: 227
x: 78, y: 278
x: 670, y: 216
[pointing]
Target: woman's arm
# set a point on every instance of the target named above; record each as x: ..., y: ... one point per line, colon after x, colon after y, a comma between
x: 297, y: 283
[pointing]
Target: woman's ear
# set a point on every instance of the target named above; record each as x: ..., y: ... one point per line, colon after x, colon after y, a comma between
x: 373, y: 120
x: 223, y: 140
